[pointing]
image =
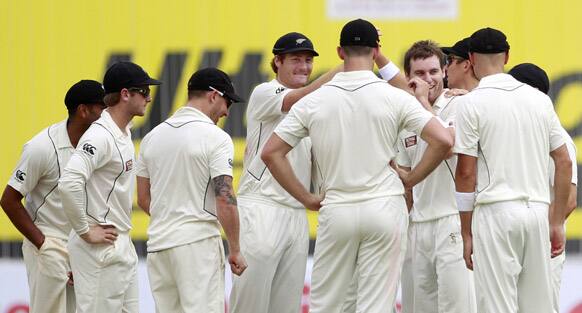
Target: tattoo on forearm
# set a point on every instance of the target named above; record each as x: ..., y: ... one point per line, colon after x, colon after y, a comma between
x: 223, y: 188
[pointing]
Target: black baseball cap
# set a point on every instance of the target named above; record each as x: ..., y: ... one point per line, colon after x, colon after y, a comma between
x: 460, y: 49
x: 84, y: 92
x: 125, y: 75
x: 359, y: 33
x: 488, y: 41
x: 532, y: 75
x: 213, y: 79
x: 293, y: 42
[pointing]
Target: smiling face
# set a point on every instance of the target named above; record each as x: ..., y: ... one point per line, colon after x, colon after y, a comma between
x: 294, y: 69
x: 429, y: 70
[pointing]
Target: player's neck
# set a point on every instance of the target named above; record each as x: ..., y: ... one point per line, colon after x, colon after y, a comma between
x: 358, y: 64
x: 75, y: 129
x: 120, y: 116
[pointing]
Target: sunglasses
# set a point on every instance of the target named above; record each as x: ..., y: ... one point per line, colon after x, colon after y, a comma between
x: 451, y: 58
x: 145, y: 92
x: 228, y: 101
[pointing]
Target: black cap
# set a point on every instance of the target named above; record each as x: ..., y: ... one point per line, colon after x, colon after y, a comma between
x: 84, y: 92
x: 460, y: 49
x: 125, y: 75
x: 488, y: 41
x: 532, y: 75
x: 293, y: 42
x: 209, y: 78
x: 359, y: 33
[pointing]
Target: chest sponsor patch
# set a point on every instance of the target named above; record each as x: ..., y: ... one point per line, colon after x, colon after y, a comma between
x: 89, y: 149
x: 230, y: 163
x: 20, y: 175
x: 410, y: 141
x: 128, y: 165
x: 279, y: 90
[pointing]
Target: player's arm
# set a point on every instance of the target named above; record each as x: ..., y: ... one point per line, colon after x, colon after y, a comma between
x: 572, y: 200
x: 562, y: 179
x: 439, y: 144
x: 144, y: 196
x: 465, y: 182
x: 89, y: 156
x: 12, y: 204
x: 296, y: 94
x: 391, y: 73
x: 227, y: 213
x: 408, y: 192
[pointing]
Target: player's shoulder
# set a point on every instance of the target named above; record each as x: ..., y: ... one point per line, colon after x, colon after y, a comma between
x: 267, y: 89
x: 45, y: 139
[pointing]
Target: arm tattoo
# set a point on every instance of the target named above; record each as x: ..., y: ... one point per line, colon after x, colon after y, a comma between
x: 223, y: 188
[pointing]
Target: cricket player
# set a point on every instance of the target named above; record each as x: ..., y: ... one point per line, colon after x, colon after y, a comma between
x: 43, y: 222
x: 274, y: 229
x: 353, y: 122
x: 459, y: 70
x: 536, y: 77
x: 96, y: 190
x: 184, y: 181
x: 506, y: 132
x: 434, y: 276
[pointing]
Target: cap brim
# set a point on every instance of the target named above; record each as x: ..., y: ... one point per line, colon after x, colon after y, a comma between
x: 298, y: 49
x: 152, y: 81
x: 234, y: 97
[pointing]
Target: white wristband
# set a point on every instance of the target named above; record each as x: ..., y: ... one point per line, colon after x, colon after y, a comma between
x: 389, y: 71
x: 465, y: 201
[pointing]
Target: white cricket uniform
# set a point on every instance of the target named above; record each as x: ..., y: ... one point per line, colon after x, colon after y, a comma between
x: 96, y: 188
x: 36, y: 177
x: 353, y: 122
x: 434, y: 275
x: 274, y: 228
x: 510, y: 128
x: 180, y: 157
x: 557, y: 263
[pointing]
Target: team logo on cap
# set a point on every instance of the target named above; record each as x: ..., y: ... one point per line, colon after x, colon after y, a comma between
x: 300, y: 41
x: 89, y: 149
x: 410, y: 141
x: 20, y: 175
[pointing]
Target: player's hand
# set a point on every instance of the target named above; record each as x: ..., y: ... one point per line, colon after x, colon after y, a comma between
x: 453, y: 92
x: 468, y: 251
x: 402, y: 174
x: 70, y: 282
x: 420, y: 89
x: 100, y: 234
x: 237, y: 262
x: 557, y: 239
x: 313, y: 203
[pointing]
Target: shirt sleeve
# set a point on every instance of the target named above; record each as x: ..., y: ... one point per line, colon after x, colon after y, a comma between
x: 266, y: 102
x: 414, y: 116
x: 402, y: 157
x: 92, y: 153
x: 466, y: 130
x: 572, y: 153
x: 30, y: 168
x: 293, y: 127
x: 221, y: 157
x: 141, y: 168
x: 556, y: 138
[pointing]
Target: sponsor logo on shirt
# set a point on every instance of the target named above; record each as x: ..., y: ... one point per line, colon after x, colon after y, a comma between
x: 230, y: 163
x: 410, y: 141
x: 128, y: 165
x: 89, y: 149
x: 279, y: 90
x: 454, y: 237
x: 20, y: 175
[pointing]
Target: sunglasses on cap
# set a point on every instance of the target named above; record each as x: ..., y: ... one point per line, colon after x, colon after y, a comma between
x: 228, y: 101
x: 144, y: 91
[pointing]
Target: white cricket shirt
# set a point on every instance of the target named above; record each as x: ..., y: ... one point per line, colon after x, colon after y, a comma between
x: 434, y: 197
x: 572, y: 153
x: 37, y: 175
x: 511, y: 128
x: 180, y: 157
x: 98, y: 182
x: 353, y: 122
x: 263, y: 115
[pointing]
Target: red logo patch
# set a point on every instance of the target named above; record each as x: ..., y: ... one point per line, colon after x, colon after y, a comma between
x: 128, y: 165
x: 410, y: 141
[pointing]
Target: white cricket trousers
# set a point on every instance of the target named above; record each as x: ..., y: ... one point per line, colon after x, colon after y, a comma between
x: 511, y: 257
x: 105, y: 275
x: 557, y: 265
x: 364, y: 241
x: 47, y: 270
x: 434, y: 275
x: 188, y: 278
x: 275, y: 243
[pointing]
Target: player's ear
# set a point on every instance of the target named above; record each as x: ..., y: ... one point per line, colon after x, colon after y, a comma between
x: 340, y: 52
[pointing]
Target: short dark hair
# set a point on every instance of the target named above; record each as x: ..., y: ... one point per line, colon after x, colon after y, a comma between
x: 111, y: 99
x: 273, y: 65
x: 422, y: 50
x: 357, y: 51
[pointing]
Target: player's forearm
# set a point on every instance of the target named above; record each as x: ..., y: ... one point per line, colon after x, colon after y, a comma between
x: 466, y: 220
x: 562, y: 178
x: 572, y: 200
x: 433, y: 156
x: 295, y: 95
x: 21, y: 220
x: 73, y: 195
x: 227, y: 213
x: 282, y: 171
